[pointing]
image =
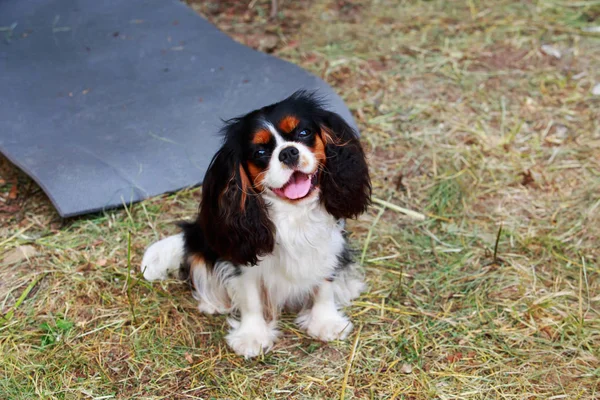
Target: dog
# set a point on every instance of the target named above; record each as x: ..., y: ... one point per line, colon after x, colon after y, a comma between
x: 269, y: 234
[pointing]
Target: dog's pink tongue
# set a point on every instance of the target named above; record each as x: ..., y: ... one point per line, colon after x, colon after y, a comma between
x: 297, y: 187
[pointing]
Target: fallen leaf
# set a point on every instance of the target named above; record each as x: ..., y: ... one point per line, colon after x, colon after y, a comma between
x: 361, y: 114
x: 292, y: 44
x: 547, y: 331
x: 84, y: 267
x: 454, y: 357
x: 406, y: 369
x: 14, y: 192
x: 268, y: 43
x: 527, y: 178
x: 19, y: 254
x: 189, y: 358
x: 9, y: 209
x: 400, y: 187
x: 593, y: 29
x: 551, y: 51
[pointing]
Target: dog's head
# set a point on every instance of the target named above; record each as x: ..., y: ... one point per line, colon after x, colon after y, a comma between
x: 294, y: 151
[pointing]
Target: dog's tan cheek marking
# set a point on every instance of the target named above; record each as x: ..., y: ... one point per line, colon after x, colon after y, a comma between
x: 288, y: 124
x: 255, y: 176
x: 319, y: 150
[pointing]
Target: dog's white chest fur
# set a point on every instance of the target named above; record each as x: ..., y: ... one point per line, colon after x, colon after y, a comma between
x: 305, y: 253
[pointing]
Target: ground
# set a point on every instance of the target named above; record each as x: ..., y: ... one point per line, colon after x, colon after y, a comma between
x: 477, y: 113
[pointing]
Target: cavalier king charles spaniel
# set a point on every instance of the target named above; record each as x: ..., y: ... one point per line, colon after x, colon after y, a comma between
x: 269, y: 234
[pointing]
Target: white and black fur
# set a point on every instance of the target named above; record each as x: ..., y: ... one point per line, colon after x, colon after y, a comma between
x: 260, y: 244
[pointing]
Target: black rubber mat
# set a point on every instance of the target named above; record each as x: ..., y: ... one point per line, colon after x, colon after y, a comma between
x: 105, y: 103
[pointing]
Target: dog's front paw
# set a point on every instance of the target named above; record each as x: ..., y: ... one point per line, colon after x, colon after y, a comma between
x: 325, y: 325
x: 251, y: 339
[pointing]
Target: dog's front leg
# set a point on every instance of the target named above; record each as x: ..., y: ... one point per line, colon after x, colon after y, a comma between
x: 251, y: 335
x: 324, y: 321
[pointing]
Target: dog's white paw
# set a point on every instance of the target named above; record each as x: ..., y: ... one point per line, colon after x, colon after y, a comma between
x: 209, y: 308
x: 162, y: 258
x: 251, y: 338
x: 325, y: 325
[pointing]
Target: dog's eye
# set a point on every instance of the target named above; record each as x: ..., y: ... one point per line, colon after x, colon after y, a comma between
x: 304, y: 133
x: 260, y: 153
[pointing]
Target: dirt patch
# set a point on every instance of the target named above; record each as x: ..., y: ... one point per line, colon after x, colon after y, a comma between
x: 501, y: 57
x: 250, y: 22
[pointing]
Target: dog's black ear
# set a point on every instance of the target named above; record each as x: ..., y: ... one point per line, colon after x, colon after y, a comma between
x: 232, y: 215
x: 345, y: 182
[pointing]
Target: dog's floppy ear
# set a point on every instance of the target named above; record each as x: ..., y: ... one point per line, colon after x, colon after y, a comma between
x: 233, y: 216
x: 345, y: 182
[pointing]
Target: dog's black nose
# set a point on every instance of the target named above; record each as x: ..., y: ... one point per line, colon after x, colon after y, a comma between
x: 289, y: 156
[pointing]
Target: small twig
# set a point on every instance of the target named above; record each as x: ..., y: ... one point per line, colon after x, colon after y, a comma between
x: 273, y: 9
x: 496, y: 244
x: 129, y: 277
x: 503, y: 118
x: 368, y: 239
x: 349, y: 366
x: 583, y: 277
x: 413, y: 214
x: 17, y: 234
x: 28, y: 289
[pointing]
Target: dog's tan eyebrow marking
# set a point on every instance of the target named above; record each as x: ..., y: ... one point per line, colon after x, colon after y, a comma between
x: 262, y: 136
x: 288, y: 123
x: 278, y: 139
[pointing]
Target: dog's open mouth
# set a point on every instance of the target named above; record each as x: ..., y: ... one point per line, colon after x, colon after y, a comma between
x: 298, y: 187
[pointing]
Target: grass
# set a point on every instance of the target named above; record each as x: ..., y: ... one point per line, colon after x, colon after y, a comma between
x: 465, y: 120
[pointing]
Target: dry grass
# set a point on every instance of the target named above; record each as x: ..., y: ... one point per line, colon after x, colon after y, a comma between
x: 467, y: 120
